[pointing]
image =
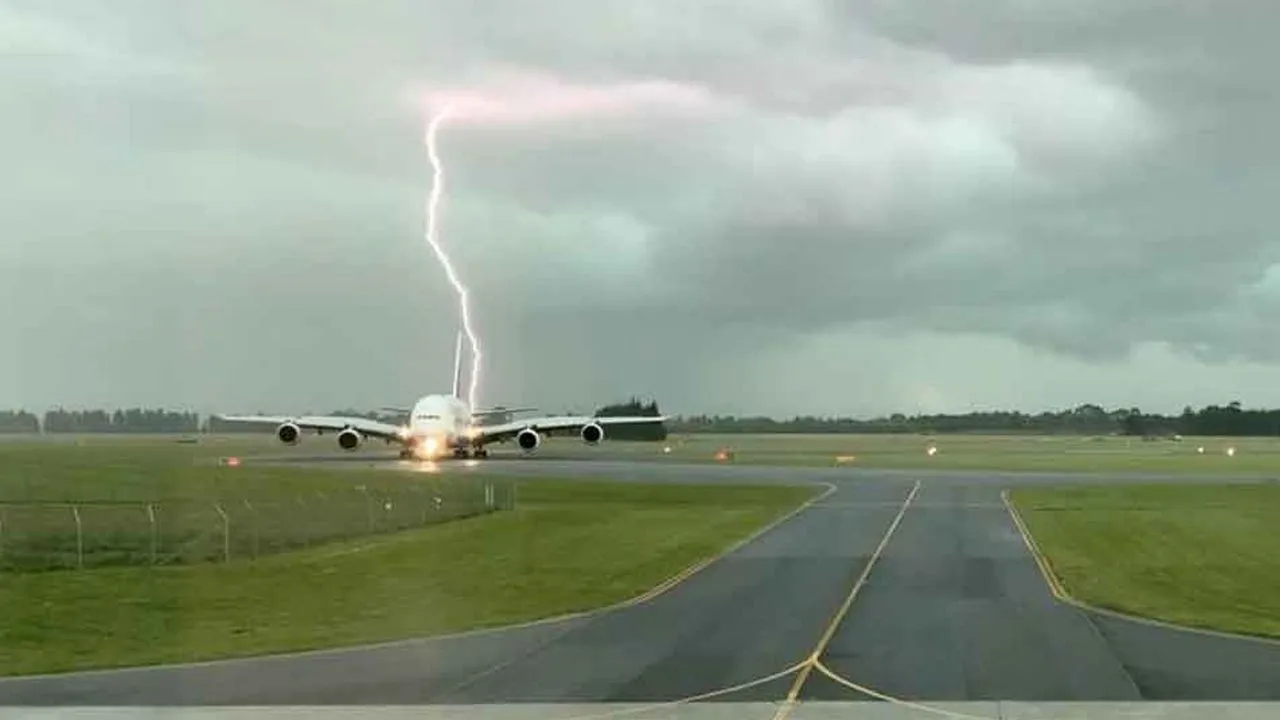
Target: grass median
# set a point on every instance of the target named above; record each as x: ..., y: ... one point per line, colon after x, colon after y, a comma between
x: 1196, y: 555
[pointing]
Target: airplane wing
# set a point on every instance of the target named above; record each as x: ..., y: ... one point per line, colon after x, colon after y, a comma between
x: 322, y: 423
x: 555, y: 425
x: 500, y: 411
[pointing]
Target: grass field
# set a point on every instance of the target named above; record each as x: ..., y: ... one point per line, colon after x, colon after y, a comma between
x: 960, y: 452
x: 1203, y: 556
x: 1252, y: 456
x: 131, y: 502
x: 568, y: 546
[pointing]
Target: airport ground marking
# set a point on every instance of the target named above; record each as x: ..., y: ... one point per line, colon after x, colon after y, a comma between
x: 810, y: 662
x: 510, y: 660
x: 671, y: 582
x: 1055, y: 588
x: 918, y: 505
x: 1042, y: 562
x: 872, y: 692
x: 694, y: 698
x: 658, y: 590
x: 1061, y: 595
x: 651, y: 594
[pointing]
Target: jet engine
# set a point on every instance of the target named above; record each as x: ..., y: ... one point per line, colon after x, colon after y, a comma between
x: 349, y: 439
x: 528, y: 439
x: 289, y: 433
x: 592, y: 433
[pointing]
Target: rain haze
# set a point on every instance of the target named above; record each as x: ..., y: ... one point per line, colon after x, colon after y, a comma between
x: 764, y: 206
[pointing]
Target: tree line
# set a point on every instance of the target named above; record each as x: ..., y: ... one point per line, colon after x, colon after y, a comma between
x: 121, y: 420
x: 1222, y: 420
x: 18, y: 421
x: 632, y: 408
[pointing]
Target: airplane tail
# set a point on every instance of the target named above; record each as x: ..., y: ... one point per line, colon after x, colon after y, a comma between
x: 457, y: 368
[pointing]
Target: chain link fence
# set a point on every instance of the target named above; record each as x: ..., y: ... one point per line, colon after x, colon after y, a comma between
x: 39, y: 535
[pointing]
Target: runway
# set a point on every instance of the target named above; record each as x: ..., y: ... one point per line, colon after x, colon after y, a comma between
x: 899, y: 585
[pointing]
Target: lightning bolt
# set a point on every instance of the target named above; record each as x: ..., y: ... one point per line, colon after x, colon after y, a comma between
x: 433, y: 239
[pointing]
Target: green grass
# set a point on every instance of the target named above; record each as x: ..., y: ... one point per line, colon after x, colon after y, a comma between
x: 569, y: 546
x: 1254, y: 456
x: 148, y: 469
x: 141, y: 502
x: 1203, y: 556
x: 979, y: 452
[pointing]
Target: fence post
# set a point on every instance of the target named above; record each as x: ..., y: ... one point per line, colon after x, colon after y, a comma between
x: 151, y: 518
x: 75, y: 513
x: 226, y: 532
x: 1, y: 531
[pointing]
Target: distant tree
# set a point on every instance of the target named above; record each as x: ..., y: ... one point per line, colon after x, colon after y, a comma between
x: 18, y: 421
x: 1133, y: 423
x: 132, y: 420
x: 631, y: 408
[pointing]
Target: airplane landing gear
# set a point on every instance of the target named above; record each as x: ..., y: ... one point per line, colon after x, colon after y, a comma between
x: 460, y: 453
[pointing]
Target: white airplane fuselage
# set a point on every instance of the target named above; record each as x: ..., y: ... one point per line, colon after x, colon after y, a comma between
x: 438, y: 424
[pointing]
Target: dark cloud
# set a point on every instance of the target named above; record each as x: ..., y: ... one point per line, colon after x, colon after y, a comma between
x: 225, y: 202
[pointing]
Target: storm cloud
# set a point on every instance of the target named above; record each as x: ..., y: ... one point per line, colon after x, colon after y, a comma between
x: 756, y: 206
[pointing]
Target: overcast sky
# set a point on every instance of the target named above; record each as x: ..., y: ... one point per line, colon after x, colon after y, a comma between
x: 763, y: 206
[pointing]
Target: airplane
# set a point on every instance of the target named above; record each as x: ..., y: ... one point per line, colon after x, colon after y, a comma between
x: 443, y: 425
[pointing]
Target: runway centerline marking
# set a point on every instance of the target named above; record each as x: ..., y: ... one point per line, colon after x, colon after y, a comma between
x: 693, y: 698
x: 830, y: 631
x: 822, y: 668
